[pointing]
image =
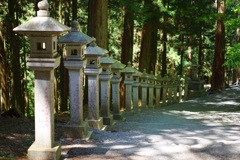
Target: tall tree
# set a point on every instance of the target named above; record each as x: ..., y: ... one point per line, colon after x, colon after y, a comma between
x: 98, y: 21
x: 127, y: 39
x: 217, y: 68
x: 17, y: 92
x: 148, y: 54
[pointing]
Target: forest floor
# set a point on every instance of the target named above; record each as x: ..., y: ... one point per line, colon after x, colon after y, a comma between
x: 205, y: 128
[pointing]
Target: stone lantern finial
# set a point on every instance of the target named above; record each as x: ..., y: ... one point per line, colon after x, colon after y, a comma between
x: 43, y: 9
x: 75, y: 26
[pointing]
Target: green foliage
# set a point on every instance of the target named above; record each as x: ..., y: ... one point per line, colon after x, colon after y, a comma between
x: 233, y: 56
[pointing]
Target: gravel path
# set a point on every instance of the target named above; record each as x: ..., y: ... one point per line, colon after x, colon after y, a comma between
x: 204, y: 128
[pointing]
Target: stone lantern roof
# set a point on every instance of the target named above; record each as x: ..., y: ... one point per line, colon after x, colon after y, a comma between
x: 94, y: 50
x: 118, y: 65
x: 144, y: 74
x: 106, y: 60
x: 137, y: 73
x: 151, y: 76
x: 75, y: 36
x: 128, y: 69
x: 42, y: 24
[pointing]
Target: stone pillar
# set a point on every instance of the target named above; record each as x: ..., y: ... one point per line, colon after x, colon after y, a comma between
x: 175, y: 91
x: 170, y: 90
x: 115, y: 81
x: 164, y: 90
x: 128, y: 81
x: 44, y: 144
x: 75, y: 62
x: 43, y: 60
x: 187, y: 79
x: 92, y: 70
x: 105, y: 78
x: 181, y: 89
x: 158, y: 90
x: 151, y: 85
x: 135, y: 88
x: 144, y: 86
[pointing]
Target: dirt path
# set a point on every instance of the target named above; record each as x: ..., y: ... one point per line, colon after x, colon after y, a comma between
x: 206, y: 128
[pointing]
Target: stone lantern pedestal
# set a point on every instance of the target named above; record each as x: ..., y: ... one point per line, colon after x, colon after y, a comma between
x: 151, y: 86
x: 144, y: 86
x: 75, y: 42
x: 135, y: 90
x: 164, y: 90
x: 92, y: 70
x: 43, y: 31
x: 128, y: 81
x: 105, y: 78
x: 196, y: 84
x: 115, y: 81
x: 158, y: 89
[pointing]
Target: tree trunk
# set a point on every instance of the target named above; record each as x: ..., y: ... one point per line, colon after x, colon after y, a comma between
x: 148, y: 53
x: 4, y: 103
x: 17, y: 92
x: 217, y: 68
x: 164, y: 54
x: 127, y: 40
x: 63, y: 71
x: 98, y: 21
x: 74, y: 9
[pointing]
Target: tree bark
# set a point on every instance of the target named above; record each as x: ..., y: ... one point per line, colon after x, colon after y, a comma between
x: 17, y: 92
x: 98, y: 21
x: 217, y: 68
x: 148, y: 53
x: 127, y: 40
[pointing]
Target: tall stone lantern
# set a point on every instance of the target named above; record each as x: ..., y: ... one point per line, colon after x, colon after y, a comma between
x: 43, y: 31
x: 144, y: 85
x: 92, y: 70
x: 158, y: 89
x: 105, y: 78
x: 115, y: 81
x: 128, y: 81
x: 135, y: 89
x: 75, y: 42
x: 151, y: 86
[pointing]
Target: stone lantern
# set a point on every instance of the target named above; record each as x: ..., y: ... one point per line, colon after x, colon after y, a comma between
x: 135, y: 88
x: 128, y: 81
x: 105, y: 78
x: 165, y: 82
x: 75, y: 42
x: 43, y: 31
x: 115, y: 81
x: 151, y: 85
x: 92, y: 70
x: 158, y: 89
x: 144, y: 86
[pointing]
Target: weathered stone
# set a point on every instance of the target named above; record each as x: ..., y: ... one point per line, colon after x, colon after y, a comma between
x: 144, y: 86
x: 128, y: 81
x: 115, y: 81
x: 43, y: 31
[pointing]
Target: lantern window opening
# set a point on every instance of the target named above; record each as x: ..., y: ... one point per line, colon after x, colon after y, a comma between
x: 74, y: 52
x: 54, y: 45
x: 128, y: 76
x: 41, y: 46
x: 104, y: 69
x: 92, y: 61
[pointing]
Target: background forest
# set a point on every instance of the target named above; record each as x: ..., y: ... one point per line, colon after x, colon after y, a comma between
x: 164, y: 36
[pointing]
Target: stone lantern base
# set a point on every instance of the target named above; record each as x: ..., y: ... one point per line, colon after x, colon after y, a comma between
x: 37, y: 153
x: 77, y: 131
x: 196, y: 89
x: 96, y: 124
x: 108, y: 120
